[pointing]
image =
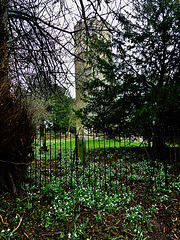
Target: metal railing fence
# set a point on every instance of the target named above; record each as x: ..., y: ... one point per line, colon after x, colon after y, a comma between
x: 97, y: 160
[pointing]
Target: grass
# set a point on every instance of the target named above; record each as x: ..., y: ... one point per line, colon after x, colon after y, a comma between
x: 56, y: 144
x: 114, y: 195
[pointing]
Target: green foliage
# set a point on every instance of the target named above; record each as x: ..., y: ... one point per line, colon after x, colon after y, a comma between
x: 88, y: 210
x: 52, y: 105
x: 60, y: 109
x: 138, y: 90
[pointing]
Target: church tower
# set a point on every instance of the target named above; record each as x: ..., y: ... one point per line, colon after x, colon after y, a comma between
x: 84, y: 33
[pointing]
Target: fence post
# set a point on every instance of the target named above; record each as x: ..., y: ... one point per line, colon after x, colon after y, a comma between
x: 76, y: 154
x: 81, y: 147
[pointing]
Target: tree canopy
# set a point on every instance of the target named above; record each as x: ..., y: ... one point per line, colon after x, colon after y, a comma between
x: 60, y: 110
x: 139, y: 90
x: 41, y: 37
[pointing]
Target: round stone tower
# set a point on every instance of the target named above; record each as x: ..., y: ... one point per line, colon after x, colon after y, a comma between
x: 84, y: 33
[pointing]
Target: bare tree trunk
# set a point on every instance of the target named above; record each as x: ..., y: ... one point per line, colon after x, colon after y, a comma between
x: 3, y: 42
x: 6, y: 179
x: 159, y: 142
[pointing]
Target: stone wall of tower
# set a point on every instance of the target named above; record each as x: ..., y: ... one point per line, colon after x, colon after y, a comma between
x: 83, y: 71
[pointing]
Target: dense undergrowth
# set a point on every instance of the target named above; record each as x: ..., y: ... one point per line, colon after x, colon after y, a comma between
x: 113, y: 196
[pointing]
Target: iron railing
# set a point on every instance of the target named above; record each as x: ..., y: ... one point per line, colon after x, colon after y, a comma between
x: 96, y: 159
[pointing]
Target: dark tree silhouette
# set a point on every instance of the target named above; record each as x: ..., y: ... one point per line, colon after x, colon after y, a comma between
x: 138, y: 92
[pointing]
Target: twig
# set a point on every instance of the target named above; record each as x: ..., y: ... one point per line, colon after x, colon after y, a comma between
x: 129, y: 233
x: 50, y: 234
x: 12, y: 181
x: 118, y: 222
x: 15, y: 163
x: 18, y: 225
x: 3, y: 222
x: 26, y: 235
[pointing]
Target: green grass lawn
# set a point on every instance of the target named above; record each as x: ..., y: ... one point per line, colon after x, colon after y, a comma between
x: 90, y: 144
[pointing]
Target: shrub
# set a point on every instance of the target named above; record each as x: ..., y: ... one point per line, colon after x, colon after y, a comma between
x: 16, y: 137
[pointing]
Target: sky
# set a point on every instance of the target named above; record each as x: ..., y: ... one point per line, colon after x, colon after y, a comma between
x: 74, y: 14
